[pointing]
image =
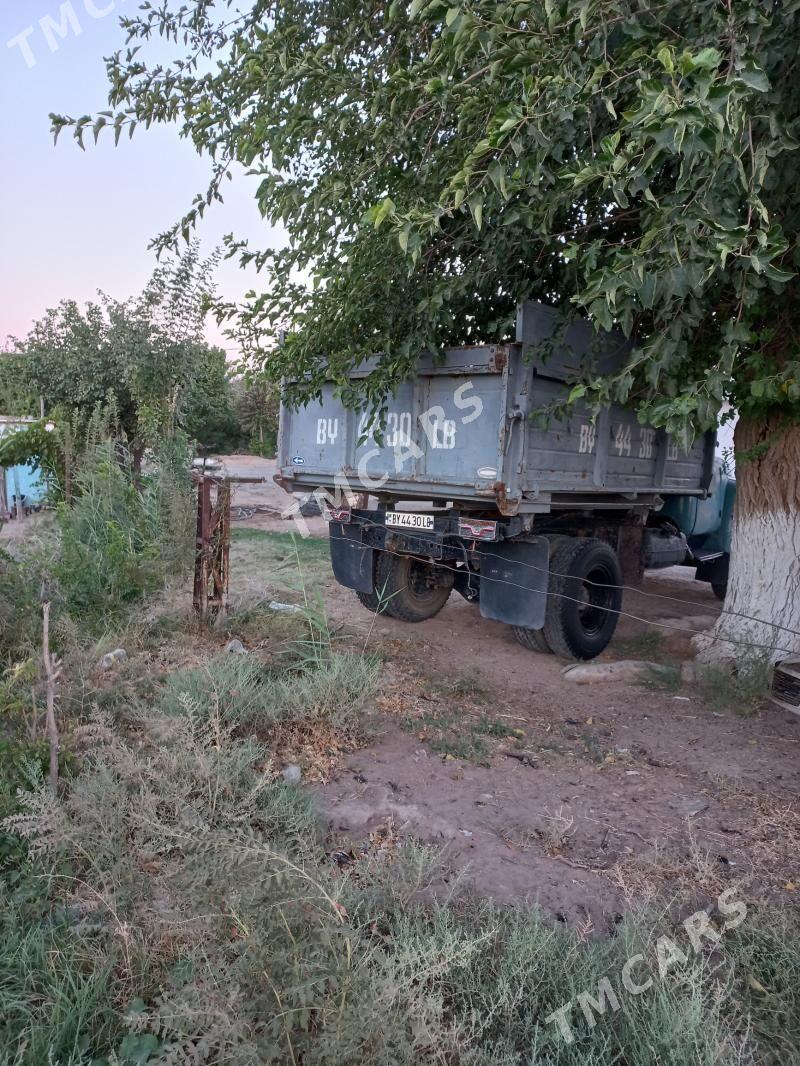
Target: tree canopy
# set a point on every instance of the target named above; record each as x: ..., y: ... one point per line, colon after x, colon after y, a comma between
x: 145, y: 355
x: 433, y: 162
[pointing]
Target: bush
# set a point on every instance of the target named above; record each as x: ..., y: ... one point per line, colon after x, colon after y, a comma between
x: 20, y: 611
x: 120, y: 539
x: 244, y: 693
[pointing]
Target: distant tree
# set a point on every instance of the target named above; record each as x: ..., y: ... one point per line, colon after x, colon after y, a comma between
x: 258, y: 408
x: 144, y: 353
x: 209, y: 404
x: 17, y: 396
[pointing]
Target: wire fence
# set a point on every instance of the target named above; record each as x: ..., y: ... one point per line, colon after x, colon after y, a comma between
x: 760, y: 646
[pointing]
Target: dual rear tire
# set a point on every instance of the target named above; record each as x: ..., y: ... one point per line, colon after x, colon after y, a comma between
x: 583, y: 601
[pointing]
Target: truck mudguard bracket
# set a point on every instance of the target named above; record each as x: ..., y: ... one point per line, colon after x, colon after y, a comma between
x: 514, y: 579
x: 351, y: 560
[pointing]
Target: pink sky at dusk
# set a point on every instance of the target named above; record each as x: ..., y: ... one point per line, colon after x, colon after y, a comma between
x: 73, y: 222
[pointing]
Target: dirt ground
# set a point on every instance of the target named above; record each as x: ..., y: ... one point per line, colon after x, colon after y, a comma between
x: 584, y: 798
x: 587, y: 799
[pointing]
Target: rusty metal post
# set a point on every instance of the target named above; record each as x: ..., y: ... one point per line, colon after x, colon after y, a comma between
x: 212, y: 552
x: 202, y: 547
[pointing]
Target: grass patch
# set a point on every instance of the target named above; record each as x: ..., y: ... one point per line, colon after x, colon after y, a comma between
x: 460, y: 736
x: 56, y: 991
x: 246, y: 694
x: 647, y: 645
x: 200, y: 918
x: 740, y: 686
x: 280, y: 562
x: 465, y: 687
x: 253, y: 621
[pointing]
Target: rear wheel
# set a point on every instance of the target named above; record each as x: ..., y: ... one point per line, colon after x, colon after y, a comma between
x: 584, y: 598
x: 533, y: 639
x: 415, y: 590
x: 376, y: 601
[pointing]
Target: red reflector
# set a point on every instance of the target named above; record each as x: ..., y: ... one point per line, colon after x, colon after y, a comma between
x: 477, y: 529
x: 337, y: 514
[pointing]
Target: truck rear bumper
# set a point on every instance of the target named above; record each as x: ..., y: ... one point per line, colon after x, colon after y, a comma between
x: 509, y: 578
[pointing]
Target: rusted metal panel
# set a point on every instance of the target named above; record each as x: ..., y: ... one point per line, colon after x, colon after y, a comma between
x: 212, y: 546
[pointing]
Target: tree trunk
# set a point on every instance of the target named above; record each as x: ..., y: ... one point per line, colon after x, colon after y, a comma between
x: 764, y: 580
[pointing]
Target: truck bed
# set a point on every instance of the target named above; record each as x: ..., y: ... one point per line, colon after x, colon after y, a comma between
x: 461, y: 431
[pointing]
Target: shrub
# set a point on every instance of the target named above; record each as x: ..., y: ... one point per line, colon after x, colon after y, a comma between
x: 244, y: 693
x: 20, y: 612
x: 120, y: 539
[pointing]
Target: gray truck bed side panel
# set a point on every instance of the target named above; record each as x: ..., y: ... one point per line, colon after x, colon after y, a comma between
x: 434, y: 446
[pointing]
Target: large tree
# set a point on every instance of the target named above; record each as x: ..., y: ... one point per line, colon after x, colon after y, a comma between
x: 434, y: 162
x: 145, y: 356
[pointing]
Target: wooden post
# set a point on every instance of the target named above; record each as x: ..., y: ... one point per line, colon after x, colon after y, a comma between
x: 52, y: 671
x: 18, y: 495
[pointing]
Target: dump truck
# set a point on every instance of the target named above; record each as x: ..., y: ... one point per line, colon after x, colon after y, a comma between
x: 480, y: 478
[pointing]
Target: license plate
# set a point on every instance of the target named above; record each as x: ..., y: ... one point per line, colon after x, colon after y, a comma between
x: 409, y: 520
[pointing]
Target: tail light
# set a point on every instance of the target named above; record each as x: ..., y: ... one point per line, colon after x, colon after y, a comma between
x: 477, y: 529
x: 337, y: 514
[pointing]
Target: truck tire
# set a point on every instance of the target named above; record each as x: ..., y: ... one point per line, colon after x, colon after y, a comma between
x: 532, y: 639
x: 720, y: 589
x: 377, y: 602
x: 415, y: 590
x: 584, y: 598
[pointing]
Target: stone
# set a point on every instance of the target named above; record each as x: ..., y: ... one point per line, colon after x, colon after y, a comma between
x: 624, y: 670
x: 689, y: 806
x: 112, y: 659
x: 292, y: 774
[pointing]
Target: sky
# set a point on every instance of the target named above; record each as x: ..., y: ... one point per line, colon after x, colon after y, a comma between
x: 73, y: 222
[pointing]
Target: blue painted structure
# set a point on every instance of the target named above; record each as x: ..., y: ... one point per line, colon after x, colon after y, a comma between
x: 31, y: 483
x: 25, y: 478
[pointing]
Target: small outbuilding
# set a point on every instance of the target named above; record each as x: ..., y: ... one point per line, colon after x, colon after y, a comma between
x: 22, y: 487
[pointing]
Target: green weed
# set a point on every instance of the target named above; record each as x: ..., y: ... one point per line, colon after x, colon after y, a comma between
x: 246, y: 694
x: 458, y: 735
x: 741, y: 687
x: 647, y: 645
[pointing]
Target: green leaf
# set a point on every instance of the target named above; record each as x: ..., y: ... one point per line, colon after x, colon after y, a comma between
x: 707, y: 59
x: 754, y: 78
x: 476, y: 207
x: 136, y: 1048
x: 666, y: 59
x: 452, y: 15
x: 497, y: 175
x: 384, y: 210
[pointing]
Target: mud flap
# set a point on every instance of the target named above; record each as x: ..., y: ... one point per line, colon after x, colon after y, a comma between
x: 514, y: 578
x: 352, y: 561
x: 714, y: 569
